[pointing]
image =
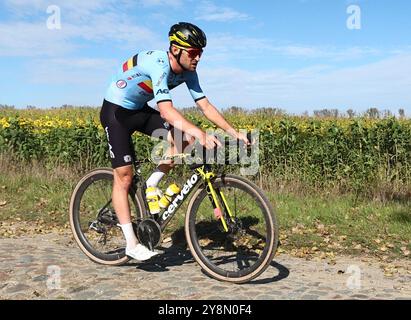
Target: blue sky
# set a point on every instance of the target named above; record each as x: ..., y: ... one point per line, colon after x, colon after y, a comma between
x: 296, y: 55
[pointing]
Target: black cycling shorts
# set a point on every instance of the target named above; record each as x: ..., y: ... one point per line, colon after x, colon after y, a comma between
x: 119, y: 124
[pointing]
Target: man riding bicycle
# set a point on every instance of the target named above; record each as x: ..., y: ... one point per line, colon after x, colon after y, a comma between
x: 148, y: 75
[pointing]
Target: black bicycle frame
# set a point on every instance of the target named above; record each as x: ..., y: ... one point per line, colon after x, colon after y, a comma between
x: 172, y: 208
x: 169, y: 212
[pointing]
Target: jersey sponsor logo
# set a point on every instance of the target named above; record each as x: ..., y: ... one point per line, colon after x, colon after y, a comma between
x: 121, y: 84
x: 133, y: 76
x: 161, y: 79
x: 161, y: 62
x: 162, y: 91
x: 110, y: 147
x: 147, y: 86
x: 150, y: 53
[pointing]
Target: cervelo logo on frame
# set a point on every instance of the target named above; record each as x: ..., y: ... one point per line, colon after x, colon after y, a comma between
x: 180, y: 197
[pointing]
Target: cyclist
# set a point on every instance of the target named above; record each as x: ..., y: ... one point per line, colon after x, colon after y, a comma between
x: 147, y: 75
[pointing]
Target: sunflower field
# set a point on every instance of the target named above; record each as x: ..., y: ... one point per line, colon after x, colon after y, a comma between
x: 351, y: 153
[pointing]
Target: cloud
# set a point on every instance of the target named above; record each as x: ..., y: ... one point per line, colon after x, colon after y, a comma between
x: 71, y: 71
x: 226, y: 46
x: 32, y: 39
x: 161, y: 3
x: 71, y: 9
x: 109, y: 27
x: 80, y: 9
x: 383, y: 84
x: 327, y: 52
x: 208, y: 11
x: 78, y: 23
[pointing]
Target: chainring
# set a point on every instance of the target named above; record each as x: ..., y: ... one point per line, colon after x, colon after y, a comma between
x: 149, y: 233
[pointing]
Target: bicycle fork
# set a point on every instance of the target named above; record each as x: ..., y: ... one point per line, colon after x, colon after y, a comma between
x: 214, y: 196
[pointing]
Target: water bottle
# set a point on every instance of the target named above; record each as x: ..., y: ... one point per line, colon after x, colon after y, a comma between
x: 152, y: 196
x: 168, y: 196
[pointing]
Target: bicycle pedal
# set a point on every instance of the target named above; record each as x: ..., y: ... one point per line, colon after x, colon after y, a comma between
x: 94, y: 226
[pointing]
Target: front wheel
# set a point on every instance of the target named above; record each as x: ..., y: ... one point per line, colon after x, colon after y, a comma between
x: 93, y: 220
x: 245, y: 247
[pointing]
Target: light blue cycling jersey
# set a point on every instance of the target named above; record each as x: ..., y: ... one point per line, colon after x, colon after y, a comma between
x: 148, y: 75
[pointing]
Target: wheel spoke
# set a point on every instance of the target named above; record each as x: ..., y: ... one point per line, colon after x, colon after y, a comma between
x: 94, y: 220
x: 249, y: 240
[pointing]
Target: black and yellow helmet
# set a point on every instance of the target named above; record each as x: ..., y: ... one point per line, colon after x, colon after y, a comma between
x: 187, y: 35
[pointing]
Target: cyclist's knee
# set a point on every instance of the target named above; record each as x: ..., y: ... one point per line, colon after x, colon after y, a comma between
x: 123, y: 176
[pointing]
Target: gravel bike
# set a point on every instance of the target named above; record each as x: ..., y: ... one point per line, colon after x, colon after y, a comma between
x: 230, y: 225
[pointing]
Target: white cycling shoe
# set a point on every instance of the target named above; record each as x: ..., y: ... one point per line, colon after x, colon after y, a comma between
x: 140, y: 253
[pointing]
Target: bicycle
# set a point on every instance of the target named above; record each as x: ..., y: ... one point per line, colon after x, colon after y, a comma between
x: 230, y: 226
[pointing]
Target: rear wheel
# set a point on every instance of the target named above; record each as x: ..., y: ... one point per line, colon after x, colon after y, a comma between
x: 93, y: 220
x: 247, y: 249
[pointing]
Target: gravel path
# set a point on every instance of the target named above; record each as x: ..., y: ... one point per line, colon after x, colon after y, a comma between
x: 51, y: 266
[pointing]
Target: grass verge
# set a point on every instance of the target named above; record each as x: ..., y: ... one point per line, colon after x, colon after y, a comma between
x: 320, y: 224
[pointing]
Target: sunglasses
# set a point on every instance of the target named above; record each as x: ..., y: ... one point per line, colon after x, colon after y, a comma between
x: 193, y: 53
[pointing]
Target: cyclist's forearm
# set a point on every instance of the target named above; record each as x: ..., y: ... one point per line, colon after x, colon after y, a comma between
x: 212, y: 114
x: 176, y: 119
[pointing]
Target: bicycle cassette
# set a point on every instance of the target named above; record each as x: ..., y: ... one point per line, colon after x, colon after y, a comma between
x: 149, y: 233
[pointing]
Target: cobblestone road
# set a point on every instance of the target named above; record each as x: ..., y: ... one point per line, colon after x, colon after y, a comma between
x: 51, y: 266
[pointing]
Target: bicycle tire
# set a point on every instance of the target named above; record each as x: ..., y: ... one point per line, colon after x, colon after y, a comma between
x: 117, y: 257
x: 199, y: 254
